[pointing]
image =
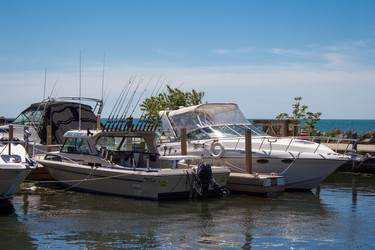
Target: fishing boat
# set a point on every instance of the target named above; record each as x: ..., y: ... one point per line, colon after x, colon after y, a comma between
x: 15, y: 165
x: 47, y: 121
x: 216, y: 131
x: 122, y: 159
x: 61, y: 113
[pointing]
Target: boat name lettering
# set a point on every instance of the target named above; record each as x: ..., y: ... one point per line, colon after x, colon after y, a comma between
x: 75, y: 134
x: 149, y: 179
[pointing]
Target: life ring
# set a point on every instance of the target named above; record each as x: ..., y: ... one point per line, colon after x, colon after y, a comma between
x: 217, y: 153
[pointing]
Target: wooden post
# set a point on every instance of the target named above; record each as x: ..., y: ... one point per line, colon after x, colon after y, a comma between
x: 10, y: 133
x: 248, y: 151
x: 285, y: 128
x: 183, y: 142
x: 26, y: 136
x: 98, y: 122
x: 49, y: 138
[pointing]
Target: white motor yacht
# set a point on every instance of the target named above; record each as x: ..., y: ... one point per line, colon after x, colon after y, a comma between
x: 216, y: 131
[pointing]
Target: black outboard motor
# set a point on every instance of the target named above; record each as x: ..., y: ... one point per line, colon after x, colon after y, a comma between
x: 203, y: 180
x: 204, y: 173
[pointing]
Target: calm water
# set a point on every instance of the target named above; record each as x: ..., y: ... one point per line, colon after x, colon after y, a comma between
x: 354, y: 125
x: 338, y: 215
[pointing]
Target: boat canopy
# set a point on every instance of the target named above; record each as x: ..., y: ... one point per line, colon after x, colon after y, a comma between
x: 206, y: 115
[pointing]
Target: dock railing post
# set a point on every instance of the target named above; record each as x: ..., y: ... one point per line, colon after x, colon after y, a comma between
x: 248, y: 151
x: 183, y: 142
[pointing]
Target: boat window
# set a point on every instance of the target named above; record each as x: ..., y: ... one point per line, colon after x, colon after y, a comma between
x: 220, y: 131
x: 11, y: 158
x: 109, y: 142
x: 75, y: 145
x: 135, y: 144
x: 197, y: 135
x: 256, y: 131
x: 29, y: 117
x: 240, y: 129
x: 121, y: 143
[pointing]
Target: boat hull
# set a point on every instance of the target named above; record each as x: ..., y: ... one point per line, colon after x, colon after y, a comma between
x: 302, y: 173
x: 156, y: 184
x: 11, y: 177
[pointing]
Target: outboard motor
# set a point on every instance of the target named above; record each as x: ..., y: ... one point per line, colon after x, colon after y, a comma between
x: 204, y: 179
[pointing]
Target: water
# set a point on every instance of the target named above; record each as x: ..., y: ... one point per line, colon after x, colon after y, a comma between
x: 337, y: 215
x: 354, y: 125
x: 359, y: 126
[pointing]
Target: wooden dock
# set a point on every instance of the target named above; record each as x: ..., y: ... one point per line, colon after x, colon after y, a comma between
x: 255, y: 184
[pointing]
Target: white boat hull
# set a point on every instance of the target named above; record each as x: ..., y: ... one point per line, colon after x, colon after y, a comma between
x: 300, y: 174
x: 11, y: 177
x: 156, y: 184
x: 301, y: 170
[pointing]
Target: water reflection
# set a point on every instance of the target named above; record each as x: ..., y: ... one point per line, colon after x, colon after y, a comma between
x: 13, y: 234
x: 6, y: 208
x: 337, y: 215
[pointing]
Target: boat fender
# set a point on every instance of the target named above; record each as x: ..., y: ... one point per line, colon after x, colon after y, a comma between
x: 217, y: 152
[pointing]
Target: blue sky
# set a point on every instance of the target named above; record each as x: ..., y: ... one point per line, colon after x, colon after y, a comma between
x: 258, y: 54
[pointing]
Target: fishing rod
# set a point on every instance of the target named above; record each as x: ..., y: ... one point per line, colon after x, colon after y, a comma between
x: 114, y: 109
x: 53, y: 88
x: 103, y: 77
x: 145, y: 89
x: 121, y: 103
x: 126, y: 110
x: 45, y: 83
x: 135, y: 106
x: 120, y: 121
x: 154, y: 121
x: 144, y: 118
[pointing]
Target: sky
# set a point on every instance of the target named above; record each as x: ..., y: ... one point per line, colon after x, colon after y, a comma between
x: 260, y: 54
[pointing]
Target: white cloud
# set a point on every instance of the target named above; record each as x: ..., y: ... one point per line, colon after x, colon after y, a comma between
x: 263, y: 90
x: 232, y: 51
x: 285, y: 52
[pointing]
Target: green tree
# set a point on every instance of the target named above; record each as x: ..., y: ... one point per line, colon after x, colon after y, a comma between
x: 172, y: 99
x: 301, y: 114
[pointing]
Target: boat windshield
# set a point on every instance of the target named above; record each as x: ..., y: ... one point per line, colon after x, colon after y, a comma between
x: 29, y: 116
x: 122, y: 143
x: 208, y: 115
x: 223, y: 131
x: 75, y: 146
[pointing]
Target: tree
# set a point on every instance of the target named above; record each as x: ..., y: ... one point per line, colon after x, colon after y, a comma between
x: 301, y: 114
x: 172, y: 99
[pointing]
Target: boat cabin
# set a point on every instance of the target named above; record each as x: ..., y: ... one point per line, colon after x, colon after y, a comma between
x: 124, y: 149
x: 207, y: 121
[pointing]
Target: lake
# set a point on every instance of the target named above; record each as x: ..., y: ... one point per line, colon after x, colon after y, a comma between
x: 339, y: 214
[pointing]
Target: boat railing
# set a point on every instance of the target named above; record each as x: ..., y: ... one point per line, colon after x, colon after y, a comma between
x: 343, y: 145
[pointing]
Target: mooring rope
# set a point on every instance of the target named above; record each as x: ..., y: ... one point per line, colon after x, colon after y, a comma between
x: 241, y: 170
x: 294, y: 160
